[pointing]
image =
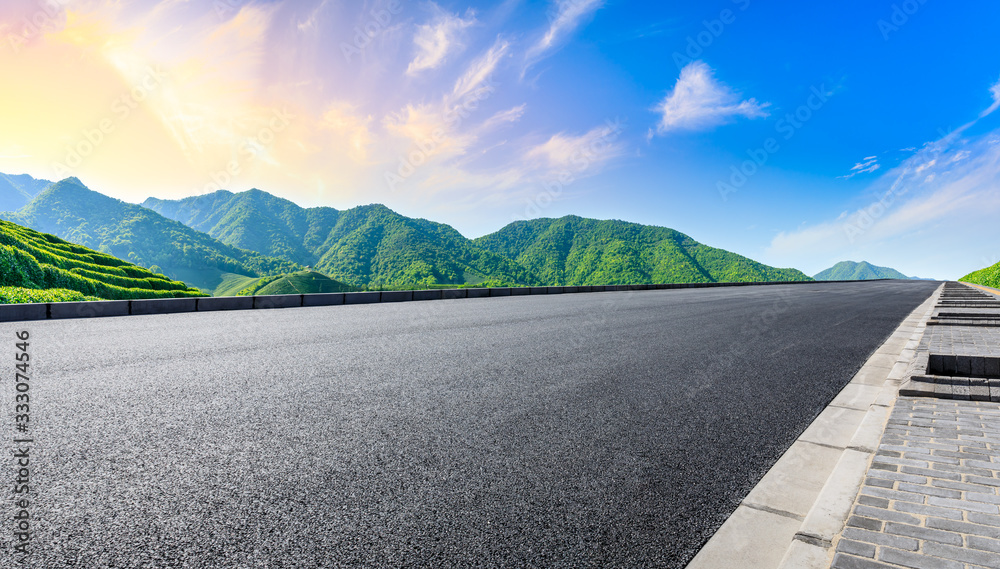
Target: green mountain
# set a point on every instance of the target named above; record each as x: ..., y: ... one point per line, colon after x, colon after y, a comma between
x: 71, y: 211
x: 254, y: 220
x: 990, y: 276
x: 576, y: 251
x: 366, y: 246
x: 17, y: 191
x: 302, y: 282
x: 851, y: 271
x: 37, y: 267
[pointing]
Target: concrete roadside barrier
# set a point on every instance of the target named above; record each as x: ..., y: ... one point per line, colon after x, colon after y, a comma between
x: 433, y: 294
x: 224, y: 303
x: 323, y: 299
x: 89, y: 309
x: 277, y: 301
x: 162, y: 305
x: 397, y: 296
x: 19, y: 312
x: 362, y: 297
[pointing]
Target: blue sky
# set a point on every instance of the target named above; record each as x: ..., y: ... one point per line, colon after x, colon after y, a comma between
x: 798, y: 134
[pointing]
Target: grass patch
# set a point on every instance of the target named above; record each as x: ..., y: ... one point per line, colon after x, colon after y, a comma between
x: 990, y: 276
x: 18, y: 295
x: 60, y: 271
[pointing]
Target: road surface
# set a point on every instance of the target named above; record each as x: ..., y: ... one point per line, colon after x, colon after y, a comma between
x: 614, y: 429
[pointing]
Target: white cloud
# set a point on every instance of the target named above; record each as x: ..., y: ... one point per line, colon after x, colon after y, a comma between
x: 580, y: 153
x: 866, y: 166
x: 568, y: 15
x: 995, y: 91
x: 309, y: 24
x: 479, y: 71
x: 959, y: 156
x: 925, y: 166
x: 509, y: 116
x: 933, y: 212
x: 699, y: 101
x: 438, y: 40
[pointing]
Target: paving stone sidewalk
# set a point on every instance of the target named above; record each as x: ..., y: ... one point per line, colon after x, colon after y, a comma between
x: 930, y: 498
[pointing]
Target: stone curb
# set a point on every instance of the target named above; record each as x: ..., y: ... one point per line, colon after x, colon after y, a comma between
x: 829, y: 513
x: 792, y: 515
x: 93, y: 309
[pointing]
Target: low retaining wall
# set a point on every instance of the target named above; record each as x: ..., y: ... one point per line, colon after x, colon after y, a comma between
x: 93, y: 309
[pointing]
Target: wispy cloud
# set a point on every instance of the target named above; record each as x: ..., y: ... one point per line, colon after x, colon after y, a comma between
x: 479, y: 71
x: 437, y: 40
x: 699, y: 101
x: 866, y: 166
x: 995, y: 91
x: 926, y: 204
x: 590, y: 149
x: 310, y: 23
x: 939, y: 201
x: 511, y: 115
x: 567, y: 16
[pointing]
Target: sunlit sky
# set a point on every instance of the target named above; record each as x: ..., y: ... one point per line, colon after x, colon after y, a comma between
x: 796, y: 133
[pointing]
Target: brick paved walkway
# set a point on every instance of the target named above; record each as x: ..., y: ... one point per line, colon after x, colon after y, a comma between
x: 931, y: 497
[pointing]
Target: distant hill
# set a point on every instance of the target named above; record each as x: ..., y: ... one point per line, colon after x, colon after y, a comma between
x: 36, y: 267
x: 375, y: 247
x: 990, y: 276
x: 224, y: 243
x: 577, y: 251
x: 366, y: 246
x: 863, y: 271
x: 128, y: 231
x: 17, y: 191
x: 302, y: 282
x: 254, y: 220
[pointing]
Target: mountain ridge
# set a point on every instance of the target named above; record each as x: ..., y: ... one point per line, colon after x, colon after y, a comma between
x: 355, y: 235
x: 365, y: 246
x: 859, y: 271
x: 17, y: 190
x: 80, y: 215
x: 573, y: 250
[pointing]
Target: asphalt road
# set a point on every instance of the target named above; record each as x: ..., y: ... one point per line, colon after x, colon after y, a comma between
x: 610, y: 429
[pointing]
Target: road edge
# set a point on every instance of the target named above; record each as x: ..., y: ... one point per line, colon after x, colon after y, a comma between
x: 790, y: 518
x: 105, y: 308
